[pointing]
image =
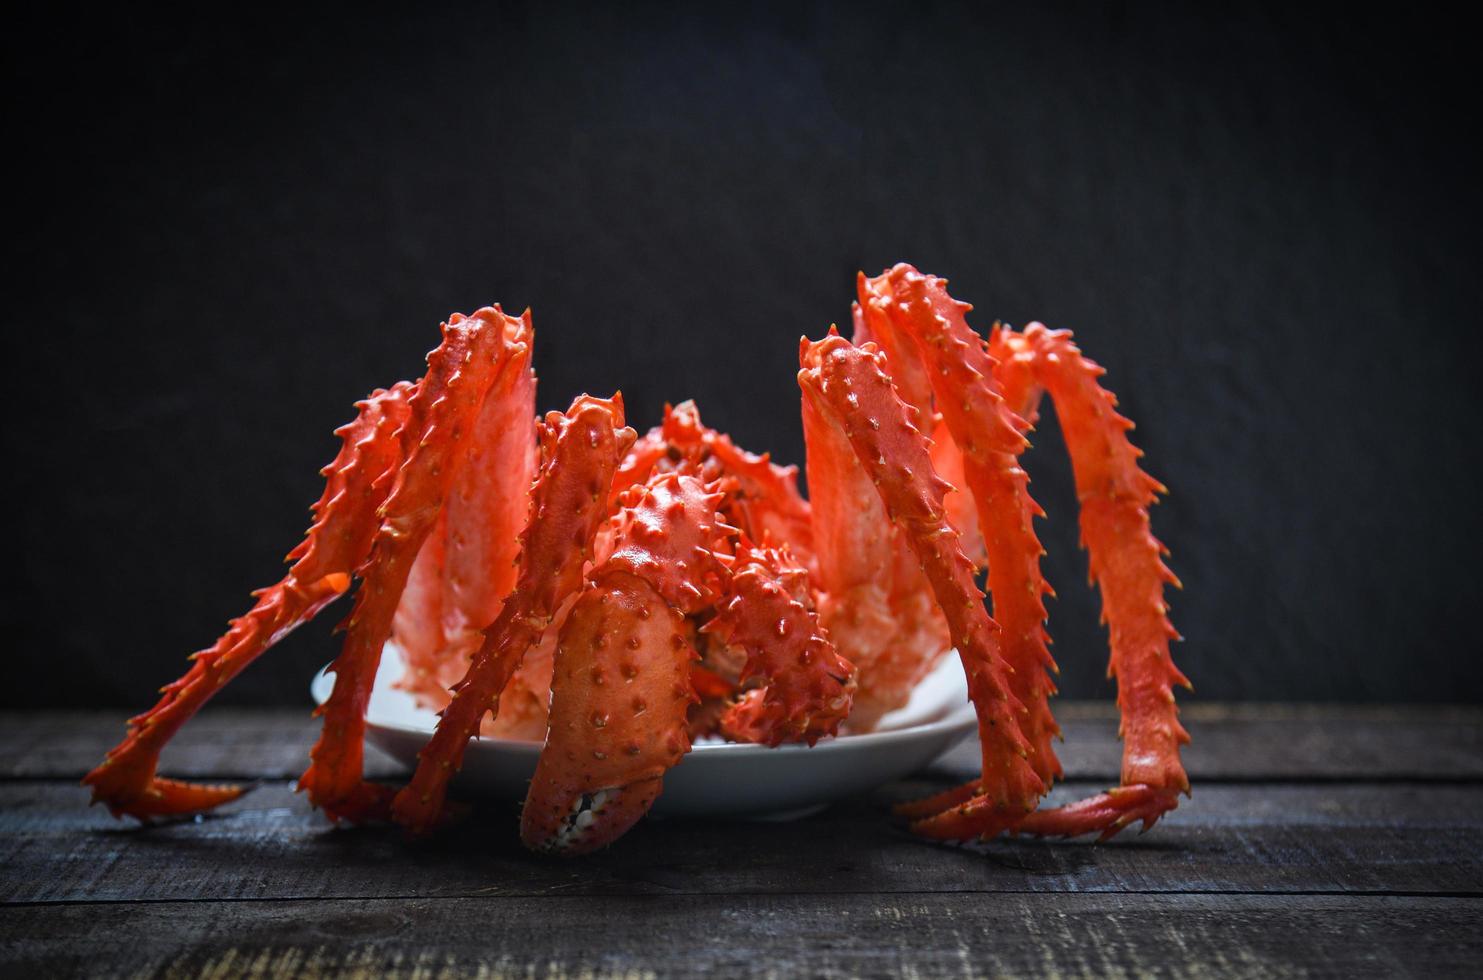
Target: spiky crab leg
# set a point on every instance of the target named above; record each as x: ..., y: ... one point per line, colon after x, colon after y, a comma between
x: 581, y: 450
x: 621, y: 688
x: 461, y: 372
x: 344, y: 520
x: 910, y: 373
x: 468, y: 564
x: 918, y: 310
x: 417, y: 625
x: 849, y: 385
x: 920, y: 633
x: 1126, y: 563
x: 872, y: 597
x: 809, y: 686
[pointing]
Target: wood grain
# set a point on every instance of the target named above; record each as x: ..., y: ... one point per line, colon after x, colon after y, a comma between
x: 757, y: 936
x: 219, y: 743
x: 1319, y: 841
x: 1247, y: 838
x: 1236, y: 742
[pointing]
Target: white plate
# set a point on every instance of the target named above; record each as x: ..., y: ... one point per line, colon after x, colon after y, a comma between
x: 716, y: 778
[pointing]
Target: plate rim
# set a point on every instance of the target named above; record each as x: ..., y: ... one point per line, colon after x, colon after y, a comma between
x: 959, y: 720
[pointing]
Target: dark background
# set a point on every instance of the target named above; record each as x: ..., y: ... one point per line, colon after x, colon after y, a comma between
x: 1263, y: 223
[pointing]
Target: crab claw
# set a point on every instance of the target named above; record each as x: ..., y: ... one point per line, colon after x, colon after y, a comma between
x: 591, y: 820
x: 621, y: 691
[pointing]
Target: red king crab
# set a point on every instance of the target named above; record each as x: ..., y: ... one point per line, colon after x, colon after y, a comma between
x: 618, y: 596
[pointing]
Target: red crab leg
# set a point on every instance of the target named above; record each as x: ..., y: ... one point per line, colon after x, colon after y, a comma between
x: 848, y: 384
x: 417, y: 626
x: 856, y: 562
x: 919, y: 633
x: 490, y: 504
x: 770, y: 614
x: 621, y: 688
x: 1127, y: 565
x: 580, y: 449
x: 989, y: 437
x: 961, y: 509
x: 467, y: 566
x: 910, y: 372
x: 460, y: 373
x: 526, y: 699
x: 344, y: 520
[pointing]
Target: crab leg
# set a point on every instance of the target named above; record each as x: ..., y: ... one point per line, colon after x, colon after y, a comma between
x: 621, y: 687
x: 918, y: 310
x: 461, y: 373
x: 910, y: 373
x: 344, y: 520
x: 809, y: 685
x: 1127, y: 565
x: 581, y: 450
x: 920, y: 632
x: 525, y: 703
x: 850, y: 388
x: 959, y: 503
x: 417, y: 626
x: 856, y: 560
x: 468, y: 564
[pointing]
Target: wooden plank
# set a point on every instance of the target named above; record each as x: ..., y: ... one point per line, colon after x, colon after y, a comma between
x: 1237, y: 742
x: 755, y: 936
x: 1268, y: 742
x: 1234, y: 838
x: 219, y: 743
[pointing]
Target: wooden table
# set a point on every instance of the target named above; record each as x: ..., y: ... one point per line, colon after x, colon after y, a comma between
x: 1335, y: 841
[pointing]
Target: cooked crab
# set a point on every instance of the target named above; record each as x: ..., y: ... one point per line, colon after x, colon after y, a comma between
x: 616, y: 596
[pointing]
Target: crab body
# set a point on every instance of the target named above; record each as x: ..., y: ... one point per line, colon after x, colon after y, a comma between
x: 618, y: 596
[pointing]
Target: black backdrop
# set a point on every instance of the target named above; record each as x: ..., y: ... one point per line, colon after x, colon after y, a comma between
x: 1264, y: 225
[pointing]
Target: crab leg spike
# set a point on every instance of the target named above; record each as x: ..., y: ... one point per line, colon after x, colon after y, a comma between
x: 809, y: 685
x: 648, y: 449
x: 344, y: 521
x: 621, y: 687
x: 460, y: 374
x: 990, y: 439
x: 849, y: 385
x: 581, y: 450
x: 1127, y: 565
